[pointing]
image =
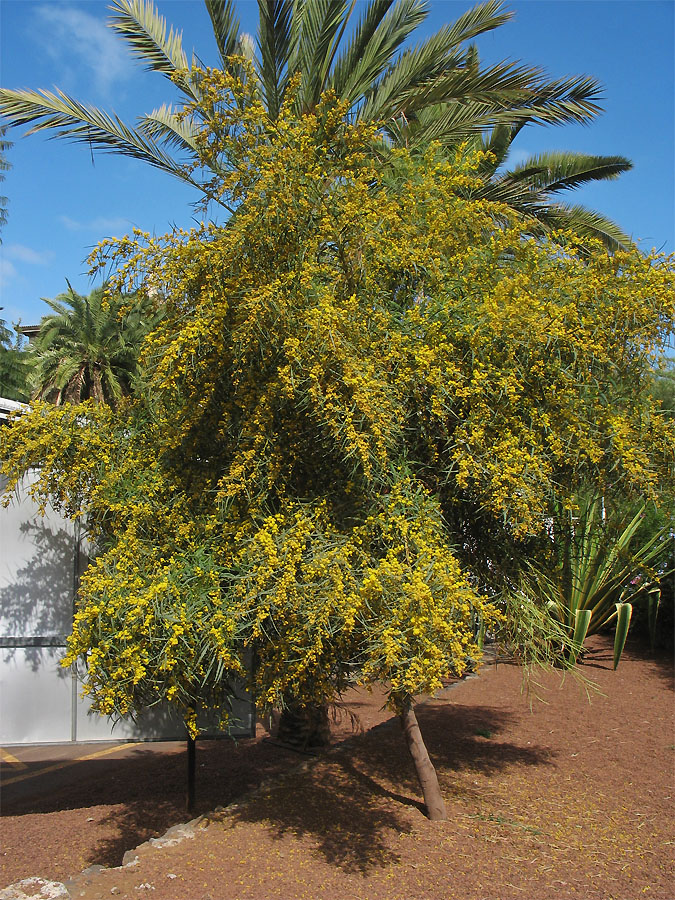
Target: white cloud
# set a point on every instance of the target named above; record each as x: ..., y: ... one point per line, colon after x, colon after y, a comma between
x: 108, y: 226
x: 71, y: 224
x: 25, y: 254
x: 71, y: 36
x: 100, y: 224
x: 7, y: 271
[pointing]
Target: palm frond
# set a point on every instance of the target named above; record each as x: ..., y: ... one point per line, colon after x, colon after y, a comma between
x: 447, y: 123
x: 438, y: 55
x: 502, y: 87
x: 246, y: 47
x: 498, y: 143
x: 516, y: 195
x: 84, y: 124
x: 558, y: 171
x: 413, y: 68
x: 507, y: 98
x: 165, y: 126
x: 541, y: 216
x: 141, y: 26
x: 225, y: 28
x: 477, y: 20
x: 333, y: 47
x: 585, y: 223
x: 319, y: 30
x: 561, y: 101
x: 399, y: 91
x: 363, y: 54
x: 274, y: 44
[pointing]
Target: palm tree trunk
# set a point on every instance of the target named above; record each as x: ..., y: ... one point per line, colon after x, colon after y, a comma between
x: 304, y: 726
x: 426, y: 774
x: 97, y: 386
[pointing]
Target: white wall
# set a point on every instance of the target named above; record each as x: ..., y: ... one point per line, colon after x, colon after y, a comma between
x: 40, y: 702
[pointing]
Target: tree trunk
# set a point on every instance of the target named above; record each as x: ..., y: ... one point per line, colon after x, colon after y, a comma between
x: 426, y: 774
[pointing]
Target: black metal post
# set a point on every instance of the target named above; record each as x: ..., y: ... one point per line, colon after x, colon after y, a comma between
x: 191, y: 765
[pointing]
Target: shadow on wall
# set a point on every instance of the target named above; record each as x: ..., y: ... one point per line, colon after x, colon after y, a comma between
x: 41, y: 700
x: 36, y: 584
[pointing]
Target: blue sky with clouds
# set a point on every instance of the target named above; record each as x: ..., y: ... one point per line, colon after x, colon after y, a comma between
x: 63, y: 199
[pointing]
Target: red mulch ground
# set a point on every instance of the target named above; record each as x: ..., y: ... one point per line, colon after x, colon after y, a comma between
x: 564, y: 800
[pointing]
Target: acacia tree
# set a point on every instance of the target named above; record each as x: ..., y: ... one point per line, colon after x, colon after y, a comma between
x: 351, y: 358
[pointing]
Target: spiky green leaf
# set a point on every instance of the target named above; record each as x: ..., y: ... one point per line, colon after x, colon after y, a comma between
x: 582, y: 621
x: 624, y: 612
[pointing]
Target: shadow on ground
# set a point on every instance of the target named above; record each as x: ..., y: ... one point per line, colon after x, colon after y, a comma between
x: 660, y: 660
x: 142, y: 795
x: 347, y: 806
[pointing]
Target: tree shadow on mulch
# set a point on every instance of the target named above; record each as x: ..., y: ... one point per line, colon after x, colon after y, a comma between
x: 225, y: 773
x: 146, y: 791
x: 348, y: 805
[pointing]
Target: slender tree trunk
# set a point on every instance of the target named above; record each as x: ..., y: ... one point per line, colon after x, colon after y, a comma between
x: 426, y: 774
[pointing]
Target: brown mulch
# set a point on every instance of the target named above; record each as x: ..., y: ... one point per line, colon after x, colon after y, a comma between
x: 566, y: 799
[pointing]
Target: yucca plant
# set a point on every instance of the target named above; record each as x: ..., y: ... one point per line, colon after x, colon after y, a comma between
x: 603, y: 572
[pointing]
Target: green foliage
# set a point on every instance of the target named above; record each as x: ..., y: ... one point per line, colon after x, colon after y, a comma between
x: 15, y: 364
x: 603, y: 570
x: 360, y: 358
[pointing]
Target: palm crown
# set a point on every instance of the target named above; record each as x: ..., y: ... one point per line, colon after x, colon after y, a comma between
x: 434, y: 90
x: 87, y: 348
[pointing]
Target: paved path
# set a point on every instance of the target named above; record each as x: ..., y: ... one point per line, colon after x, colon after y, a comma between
x: 28, y: 770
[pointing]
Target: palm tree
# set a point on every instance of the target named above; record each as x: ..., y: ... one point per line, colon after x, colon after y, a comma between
x: 15, y: 364
x: 435, y: 90
x: 87, y: 348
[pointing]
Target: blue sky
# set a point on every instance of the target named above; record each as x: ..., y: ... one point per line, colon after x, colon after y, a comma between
x: 62, y: 200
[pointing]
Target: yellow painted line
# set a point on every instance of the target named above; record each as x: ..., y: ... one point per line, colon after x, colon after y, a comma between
x: 9, y: 758
x: 69, y: 762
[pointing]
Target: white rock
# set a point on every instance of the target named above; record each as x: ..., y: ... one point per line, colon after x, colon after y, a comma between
x: 35, y: 889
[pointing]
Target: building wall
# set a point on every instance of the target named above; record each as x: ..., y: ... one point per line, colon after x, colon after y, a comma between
x: 40, y: 702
